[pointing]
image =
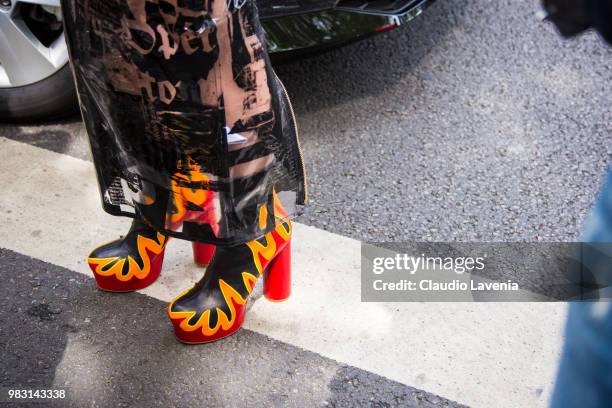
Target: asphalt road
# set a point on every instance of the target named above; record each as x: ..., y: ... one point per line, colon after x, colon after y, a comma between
x: 126, y: 356
x: 474, y: 122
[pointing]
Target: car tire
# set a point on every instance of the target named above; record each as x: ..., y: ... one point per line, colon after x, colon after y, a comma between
x: 51, y: 98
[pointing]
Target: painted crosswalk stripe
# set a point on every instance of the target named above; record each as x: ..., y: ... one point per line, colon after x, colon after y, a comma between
x: 478, y: 354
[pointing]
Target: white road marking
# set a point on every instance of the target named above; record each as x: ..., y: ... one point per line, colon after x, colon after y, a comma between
x: 480, y: 354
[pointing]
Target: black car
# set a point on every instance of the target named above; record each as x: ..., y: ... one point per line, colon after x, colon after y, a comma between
x: 36, y: 82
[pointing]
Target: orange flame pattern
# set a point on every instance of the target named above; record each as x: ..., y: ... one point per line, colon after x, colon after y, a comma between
x: 200, y: 197
x: 182, y: 195
x: 113, y: 266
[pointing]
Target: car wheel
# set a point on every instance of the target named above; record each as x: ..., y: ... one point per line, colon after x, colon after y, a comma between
x: 35, y: 78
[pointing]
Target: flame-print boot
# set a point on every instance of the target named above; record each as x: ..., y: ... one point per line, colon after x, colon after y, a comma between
x: 215, y: 307
x: 129, y: 263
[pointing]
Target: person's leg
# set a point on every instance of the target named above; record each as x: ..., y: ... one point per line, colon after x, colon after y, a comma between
x: 190, y: 129
x: 135, y: 261
x: 585, y: 372
x: 215, y: 307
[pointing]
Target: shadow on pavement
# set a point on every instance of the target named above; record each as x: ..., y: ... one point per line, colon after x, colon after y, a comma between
x: 116, y: 350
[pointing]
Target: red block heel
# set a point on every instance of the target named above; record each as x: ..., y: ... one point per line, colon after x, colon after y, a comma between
x: 202, y: 253
x: 277, y: 277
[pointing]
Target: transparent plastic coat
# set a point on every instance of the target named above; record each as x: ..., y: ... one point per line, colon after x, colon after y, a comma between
x: 190, y: 128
